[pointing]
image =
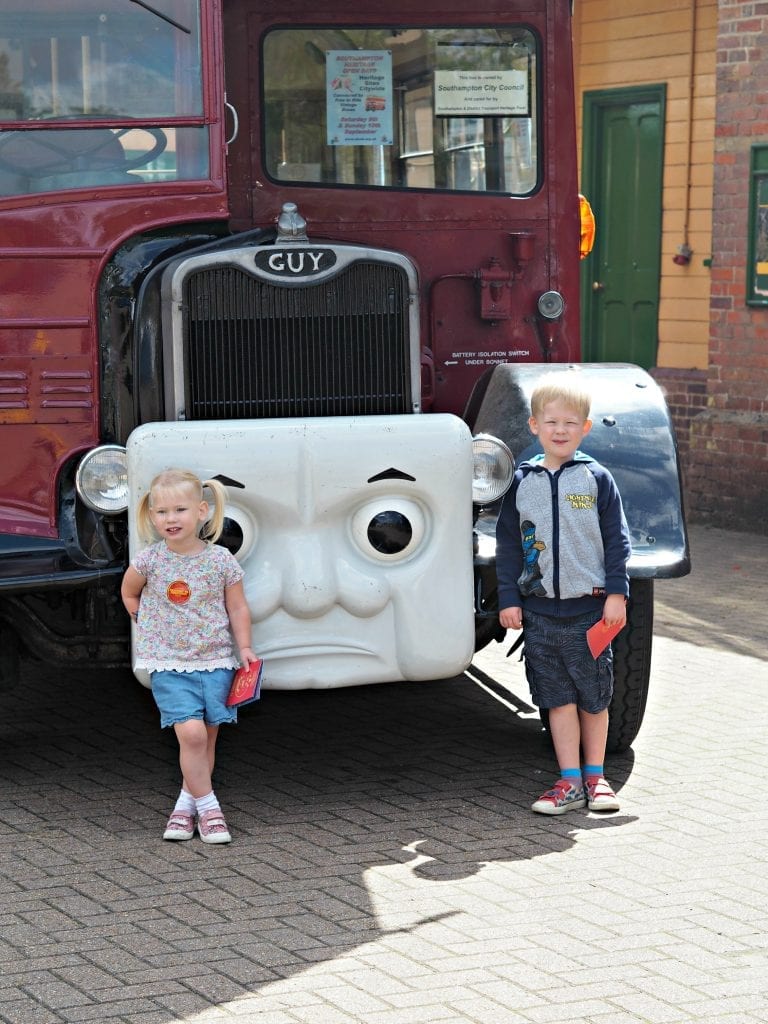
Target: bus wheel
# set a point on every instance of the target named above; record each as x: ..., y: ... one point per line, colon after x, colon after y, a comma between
x: 488, y: 628
x: 631, y: 668
x: 10, y: 658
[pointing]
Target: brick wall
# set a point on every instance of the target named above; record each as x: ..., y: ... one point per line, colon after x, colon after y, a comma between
x: 727, y: 461
x: 686, y: 395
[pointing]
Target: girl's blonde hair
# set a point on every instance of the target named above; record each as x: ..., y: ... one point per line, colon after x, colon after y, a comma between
x: 187, y: 481
x: 566, y: 386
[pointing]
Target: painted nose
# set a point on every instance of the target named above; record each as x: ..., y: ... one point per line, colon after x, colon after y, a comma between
x: 316, y: 577
x: 310, y: 586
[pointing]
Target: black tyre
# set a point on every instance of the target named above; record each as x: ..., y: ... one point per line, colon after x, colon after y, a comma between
x: 487, y: 629
x: 631, y: 668
x: 10, y: 660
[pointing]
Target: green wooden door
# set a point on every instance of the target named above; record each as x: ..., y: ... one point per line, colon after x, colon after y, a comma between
x: 623, y: 151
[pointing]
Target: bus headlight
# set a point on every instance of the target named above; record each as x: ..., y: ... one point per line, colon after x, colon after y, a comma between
x: 102, y: 479
x: 493, y: 467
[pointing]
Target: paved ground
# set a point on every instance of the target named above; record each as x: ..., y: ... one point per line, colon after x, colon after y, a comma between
x: 386, y: 867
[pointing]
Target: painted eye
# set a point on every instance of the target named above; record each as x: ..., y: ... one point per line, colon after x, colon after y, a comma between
x: 231, y: 535
x: 389, y: 530
x: 240, y: 531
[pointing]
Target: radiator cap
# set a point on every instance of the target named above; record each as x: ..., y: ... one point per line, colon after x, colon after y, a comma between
x: 291, y: 226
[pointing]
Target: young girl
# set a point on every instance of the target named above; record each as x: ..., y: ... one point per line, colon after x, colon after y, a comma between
x: 186, y: 596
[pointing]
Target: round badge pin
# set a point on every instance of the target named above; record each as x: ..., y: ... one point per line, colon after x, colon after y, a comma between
x: 178, y: 592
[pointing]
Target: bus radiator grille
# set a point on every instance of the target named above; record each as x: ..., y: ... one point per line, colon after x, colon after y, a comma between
x: 255, y: 349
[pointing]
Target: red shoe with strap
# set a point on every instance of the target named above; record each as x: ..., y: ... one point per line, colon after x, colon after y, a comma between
x: 600, y: 796
x: 562, y: 797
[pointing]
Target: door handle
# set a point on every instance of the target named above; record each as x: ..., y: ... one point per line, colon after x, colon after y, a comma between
x: 235, y: 122
x: 598, y: 286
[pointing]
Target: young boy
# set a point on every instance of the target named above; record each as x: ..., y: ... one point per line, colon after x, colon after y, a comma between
x: 561, y: 558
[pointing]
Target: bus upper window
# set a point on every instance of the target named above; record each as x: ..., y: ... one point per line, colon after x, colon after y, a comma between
x: 403, y: 107
x: 99, y: 60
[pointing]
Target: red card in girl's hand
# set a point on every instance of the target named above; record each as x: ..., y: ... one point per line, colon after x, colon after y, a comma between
x: 600, y: 635
x: 246, y: 685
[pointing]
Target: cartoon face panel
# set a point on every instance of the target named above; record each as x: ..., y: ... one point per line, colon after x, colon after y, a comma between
x: 356, y: 538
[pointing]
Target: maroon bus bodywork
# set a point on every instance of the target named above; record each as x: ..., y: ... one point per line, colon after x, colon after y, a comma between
x: 87, y: 249
x: 483, y: 259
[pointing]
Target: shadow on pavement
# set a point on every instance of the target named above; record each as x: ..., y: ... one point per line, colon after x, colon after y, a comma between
x: 339, y: 801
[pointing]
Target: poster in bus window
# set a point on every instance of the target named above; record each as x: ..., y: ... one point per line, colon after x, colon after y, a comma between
x: 482, y: 93
x: 358, y: 89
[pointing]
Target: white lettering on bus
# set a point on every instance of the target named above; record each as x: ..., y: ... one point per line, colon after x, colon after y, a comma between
x: 294, y: 261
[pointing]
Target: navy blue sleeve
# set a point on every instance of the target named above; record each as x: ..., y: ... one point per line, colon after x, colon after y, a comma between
x: 509, y: 549
x: 615, y: 532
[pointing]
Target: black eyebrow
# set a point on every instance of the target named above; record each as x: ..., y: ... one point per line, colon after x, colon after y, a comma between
x: 227, y: 481
x: 391, y: 474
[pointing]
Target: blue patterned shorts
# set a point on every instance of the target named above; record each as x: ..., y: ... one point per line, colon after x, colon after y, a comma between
x: 183, y: 695
x: 559, y: 665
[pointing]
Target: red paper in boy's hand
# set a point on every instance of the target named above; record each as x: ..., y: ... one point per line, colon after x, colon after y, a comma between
x: 246, y: 685
x: 600, y: 635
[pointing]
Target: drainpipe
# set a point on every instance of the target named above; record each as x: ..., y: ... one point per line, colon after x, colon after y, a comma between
x: 684, y: 252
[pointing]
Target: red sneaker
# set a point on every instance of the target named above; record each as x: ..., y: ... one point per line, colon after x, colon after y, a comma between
x: 561, y: 798
x: 600, y: 796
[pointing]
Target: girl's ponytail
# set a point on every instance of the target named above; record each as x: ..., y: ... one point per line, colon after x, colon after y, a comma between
x: 143, y: 519
x: 213, y: 526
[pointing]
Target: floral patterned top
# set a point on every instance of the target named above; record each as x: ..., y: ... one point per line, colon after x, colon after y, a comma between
x: 183, y: 623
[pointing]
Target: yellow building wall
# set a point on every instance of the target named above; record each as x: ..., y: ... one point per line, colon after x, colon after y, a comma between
x: 642, y: 42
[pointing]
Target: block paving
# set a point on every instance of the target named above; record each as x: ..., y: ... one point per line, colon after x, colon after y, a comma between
x: 386, y: 867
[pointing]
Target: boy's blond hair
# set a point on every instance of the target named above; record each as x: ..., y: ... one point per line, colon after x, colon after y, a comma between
x: 178, y: 480
x: 567, y: 387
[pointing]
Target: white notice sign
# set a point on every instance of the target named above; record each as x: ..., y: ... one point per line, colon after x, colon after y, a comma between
x: 481, y: 93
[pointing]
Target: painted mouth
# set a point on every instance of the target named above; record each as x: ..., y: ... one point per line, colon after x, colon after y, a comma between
x: 309, y: 649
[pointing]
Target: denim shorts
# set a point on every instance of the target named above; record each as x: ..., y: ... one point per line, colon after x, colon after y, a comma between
x: 181, y: 696
x: 559, y: 665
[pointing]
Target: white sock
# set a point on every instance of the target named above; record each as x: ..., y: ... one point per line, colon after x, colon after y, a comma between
x: 207, y: 803
x: 185, y: 803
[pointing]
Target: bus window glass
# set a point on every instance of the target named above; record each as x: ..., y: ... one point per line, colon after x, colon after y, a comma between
x: 403, y: 107
x: 99, y: 61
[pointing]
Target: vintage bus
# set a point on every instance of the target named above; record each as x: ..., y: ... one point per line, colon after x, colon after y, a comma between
x: 322, y: 252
